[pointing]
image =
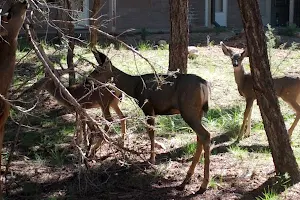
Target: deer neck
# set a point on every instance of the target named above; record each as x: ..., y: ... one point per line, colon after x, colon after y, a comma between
x: 8, y: 48
x: 125, y: 82
x: 239, y: 75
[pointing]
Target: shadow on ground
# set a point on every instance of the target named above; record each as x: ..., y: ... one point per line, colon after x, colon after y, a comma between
x: 110, y: 181
x: 274, y: 185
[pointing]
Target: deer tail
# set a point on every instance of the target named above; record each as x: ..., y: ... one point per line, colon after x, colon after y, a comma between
x: 207, y: 91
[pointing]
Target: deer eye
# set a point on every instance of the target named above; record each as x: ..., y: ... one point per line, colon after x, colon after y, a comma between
x: 8, y: 16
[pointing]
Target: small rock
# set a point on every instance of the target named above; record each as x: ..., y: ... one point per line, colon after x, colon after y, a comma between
x: 193, y: 52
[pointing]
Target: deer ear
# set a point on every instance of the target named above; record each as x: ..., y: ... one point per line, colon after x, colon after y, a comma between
x: 245, y: 53
x: 100, y: 57
x: 227, y: 51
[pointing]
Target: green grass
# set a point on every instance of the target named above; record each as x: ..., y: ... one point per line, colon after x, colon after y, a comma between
x: 144, y: 45
x: 189, y: 149
x: 268, y: 194
x: 238, y: 152
x: 257, y: 126
x: 173, y: 124
x: 58, y: 157
x: 228, y: 120
x: 214, y: 183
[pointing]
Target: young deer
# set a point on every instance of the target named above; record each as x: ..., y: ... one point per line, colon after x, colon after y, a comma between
x: 90, y: 95
x: 184, y: 94
x: 288, y: 88
x: 11, y: 22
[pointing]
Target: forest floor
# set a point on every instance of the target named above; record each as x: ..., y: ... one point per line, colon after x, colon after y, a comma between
x: 45, y: 165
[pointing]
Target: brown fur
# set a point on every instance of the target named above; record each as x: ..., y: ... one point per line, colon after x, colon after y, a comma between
x: 288, y: 88
x: 8, y: 45
x: 184, y: 94
x: 90, y: 95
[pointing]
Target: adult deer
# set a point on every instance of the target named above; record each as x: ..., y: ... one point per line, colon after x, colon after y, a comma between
x: 286, y: 87
x: 90, y: 95
x: 12, y: 18
x: 184, y: 94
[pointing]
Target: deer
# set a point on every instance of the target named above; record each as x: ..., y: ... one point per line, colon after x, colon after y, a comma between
x: 286, y: 87
x: 12, y: 18
x: 91, y: 95
x: 184, y: 94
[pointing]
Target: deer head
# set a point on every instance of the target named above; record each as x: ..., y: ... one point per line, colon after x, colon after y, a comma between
x: 12, y: 18
x: 236, y: 58
x: 103, y: 72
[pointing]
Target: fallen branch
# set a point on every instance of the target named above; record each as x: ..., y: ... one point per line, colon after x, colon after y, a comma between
x: 92, y: 123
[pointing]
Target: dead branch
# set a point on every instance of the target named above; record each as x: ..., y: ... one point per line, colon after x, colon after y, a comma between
x: 93, y: 125
x: 12, y: 150
x: 158, y: 78
x: 52, y: 74
x: 37, y: 86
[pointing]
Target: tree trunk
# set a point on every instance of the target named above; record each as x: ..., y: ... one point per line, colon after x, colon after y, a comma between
x: 71, y: 34
x: 94, y: 23
x: 179, y: 35
x: 283, y: 157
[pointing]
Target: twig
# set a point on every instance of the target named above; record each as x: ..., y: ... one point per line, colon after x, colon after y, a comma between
x: 49, y: 67
x: 158, y: 78
x: 12, y: 150
x: 24, y: 83
x: 17, y: 107
x: 35, y: 87
x: 83, y: 157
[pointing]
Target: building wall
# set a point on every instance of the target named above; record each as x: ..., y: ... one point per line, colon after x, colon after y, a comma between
x: 234, y: 19
x: 152, y: 15
x: 196, y: 14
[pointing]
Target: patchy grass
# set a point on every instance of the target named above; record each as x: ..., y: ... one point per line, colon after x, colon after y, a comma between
x: 173, y: 124
x: 238, y: 152
x: 45, y: 166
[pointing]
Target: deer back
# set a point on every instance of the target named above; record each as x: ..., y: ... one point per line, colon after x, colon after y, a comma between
x: 88, y: 94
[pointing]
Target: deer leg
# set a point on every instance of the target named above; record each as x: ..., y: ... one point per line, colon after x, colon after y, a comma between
x: 121, y: 116
x: 78, y: 133
x: 91, y: 150
x: 294, y: 124
x: 149, y: 113
x: 248, y: 127
x: 296, y: 107
x: 80, y: 130
x: 191, y: 170
x: 249, y: 104
x: 150, y: 122
x: 206, y: 167
x: 203, y: 142
x: 4, y: 113
x: 95, y: 147
x: 85, y: 133
x: 108, y: 117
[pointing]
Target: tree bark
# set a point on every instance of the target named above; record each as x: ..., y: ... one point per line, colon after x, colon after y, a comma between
x: 95, y: 23
x: 282, y: 153
x: 71, y: 34
x: 179, y: 35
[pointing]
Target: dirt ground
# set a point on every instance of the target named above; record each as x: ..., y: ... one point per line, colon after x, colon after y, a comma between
x: 116, y: 175
x: 45, y: 165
